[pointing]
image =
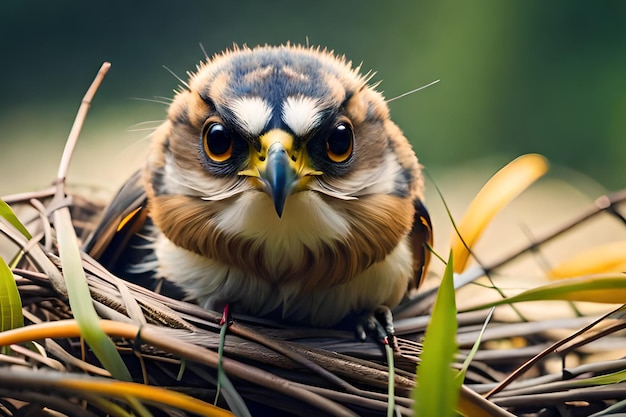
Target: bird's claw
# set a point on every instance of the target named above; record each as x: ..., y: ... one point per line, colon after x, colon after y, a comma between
x: 379, y: 324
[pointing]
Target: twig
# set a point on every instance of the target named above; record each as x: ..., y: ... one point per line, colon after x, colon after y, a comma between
x: 601, y: 204
x: 21, y: 197
x: 72, y: 139
x: 550, y: 349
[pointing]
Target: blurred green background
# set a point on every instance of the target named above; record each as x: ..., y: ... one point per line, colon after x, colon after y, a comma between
x: 516, y: 76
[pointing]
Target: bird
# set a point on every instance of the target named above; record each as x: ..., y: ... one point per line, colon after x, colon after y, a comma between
x: 279, y: 186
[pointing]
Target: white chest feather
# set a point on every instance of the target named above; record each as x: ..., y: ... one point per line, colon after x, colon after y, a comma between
x: 307, y: 222
x: 214, y: 284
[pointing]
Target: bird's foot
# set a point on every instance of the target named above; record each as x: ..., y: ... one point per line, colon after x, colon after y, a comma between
x: 378, y: 324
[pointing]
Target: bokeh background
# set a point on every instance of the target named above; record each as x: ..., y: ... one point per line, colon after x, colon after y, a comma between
x: 516, y: 77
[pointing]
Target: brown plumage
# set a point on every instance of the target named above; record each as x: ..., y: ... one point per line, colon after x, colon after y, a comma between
x: 278, y: 184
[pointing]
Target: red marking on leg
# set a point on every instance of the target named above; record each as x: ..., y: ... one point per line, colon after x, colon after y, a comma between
x: 224, y: 319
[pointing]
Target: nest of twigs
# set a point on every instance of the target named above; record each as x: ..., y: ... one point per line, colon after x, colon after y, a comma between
x: 171, y: 343
x: 263, y: 367
x: 277, y: 369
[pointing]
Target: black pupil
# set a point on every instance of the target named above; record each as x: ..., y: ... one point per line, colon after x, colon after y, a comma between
x: 218, y: 140
x: 340, y: 140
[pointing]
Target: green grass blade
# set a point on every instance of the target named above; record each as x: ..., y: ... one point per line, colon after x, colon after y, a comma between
x: 140, y: 409
x: 437, y: 388
x: 607, y: 379
x: 593, y: 288
x: 80, y: 298
x: 468, y: 360
x: 609, y: 411
x: 391, y: 394
x: 11, y: 316
x: 220, y: 353
x: 233, y: 399
x: 224, y: 385
x: 7, y: 213
x: 109, y: 407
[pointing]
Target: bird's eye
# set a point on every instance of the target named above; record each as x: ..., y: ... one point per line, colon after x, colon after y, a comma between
x: 218, y: 144
x: 340, y: 142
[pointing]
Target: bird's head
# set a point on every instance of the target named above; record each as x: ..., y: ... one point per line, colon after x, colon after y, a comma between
x: 261, y: 127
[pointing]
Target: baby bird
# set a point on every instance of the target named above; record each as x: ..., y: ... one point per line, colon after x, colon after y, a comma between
x: 277, y: 185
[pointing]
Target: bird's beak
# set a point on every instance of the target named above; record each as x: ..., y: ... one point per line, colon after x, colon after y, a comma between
x: 279, y: 168
x: 279, y: 175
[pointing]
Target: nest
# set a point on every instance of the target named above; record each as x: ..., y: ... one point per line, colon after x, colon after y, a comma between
x: 275, y: 368
x: 283, y: 369
x: 182, y: 358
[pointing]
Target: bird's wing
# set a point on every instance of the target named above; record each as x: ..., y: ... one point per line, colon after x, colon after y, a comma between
x: 421, y: 241
x: 123, y: 218
x: 123, y: 241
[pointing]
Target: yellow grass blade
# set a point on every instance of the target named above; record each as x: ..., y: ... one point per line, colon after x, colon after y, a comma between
x: 503, y: 187
x: 606, y: 258
x: 471, y: 404
x: 607, y: 288
x: 142, y: 392
x: 102, y: 388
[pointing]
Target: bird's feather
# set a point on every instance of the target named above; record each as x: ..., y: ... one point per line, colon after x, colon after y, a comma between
x: 123, y: 241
